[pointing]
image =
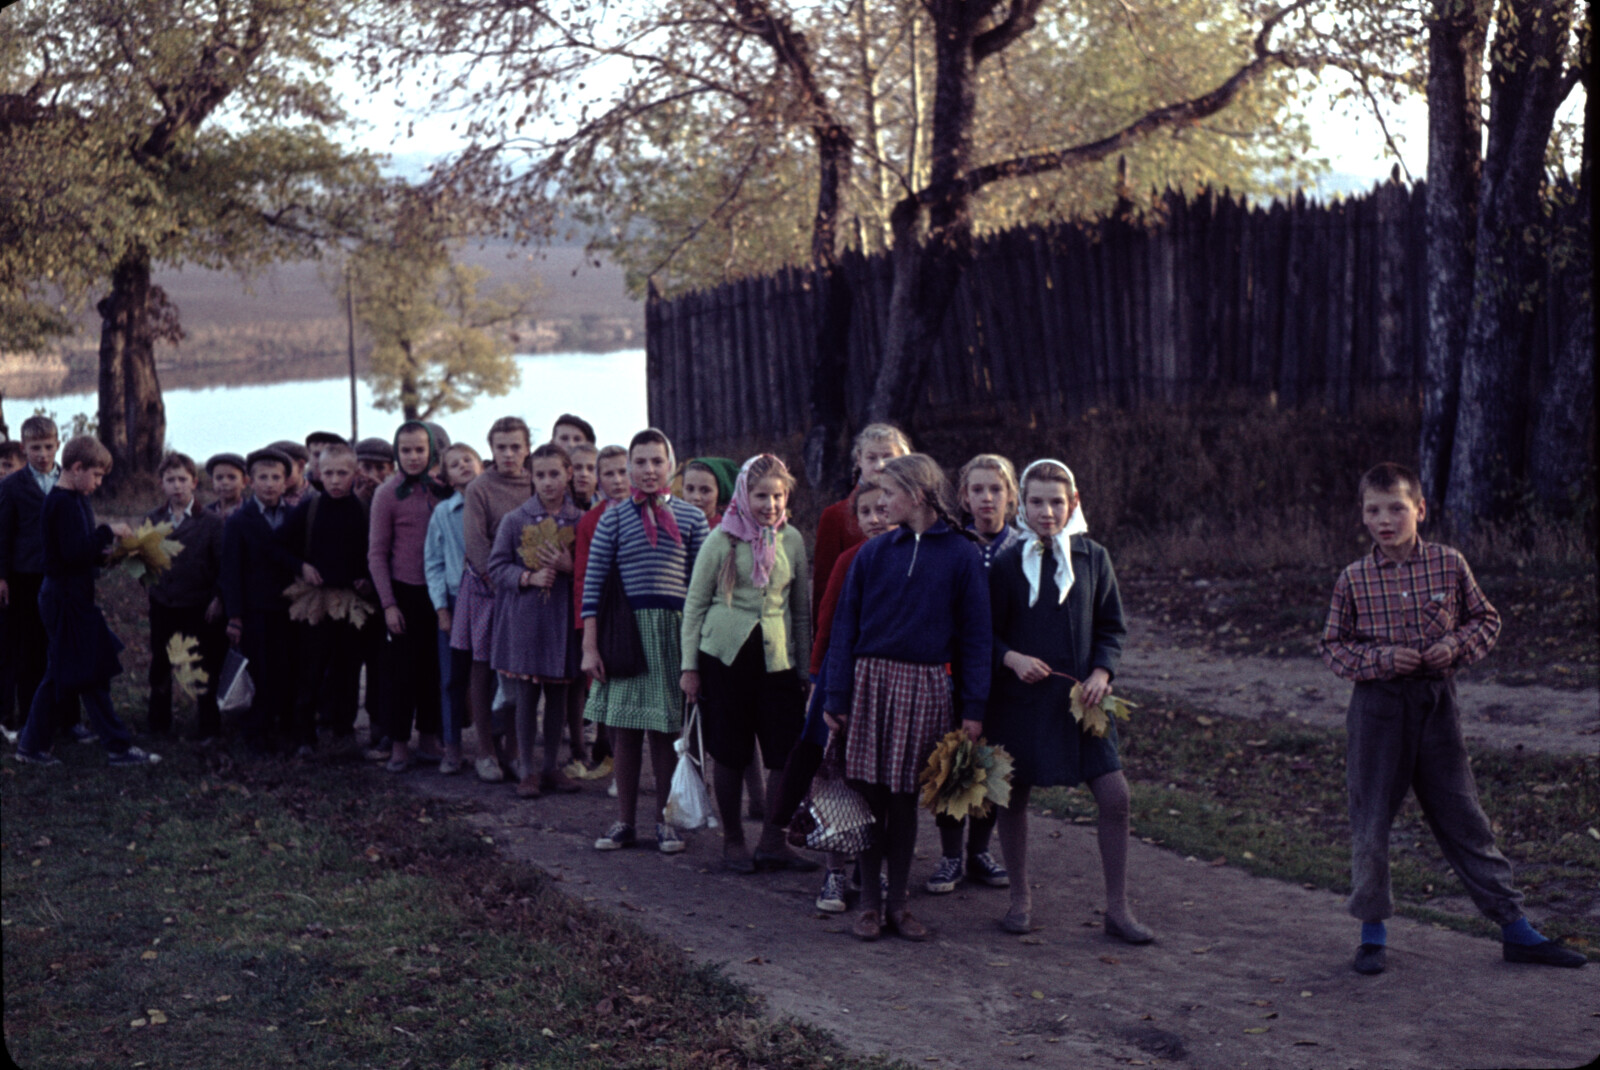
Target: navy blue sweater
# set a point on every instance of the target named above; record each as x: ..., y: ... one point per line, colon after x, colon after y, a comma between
x: 916, y: 599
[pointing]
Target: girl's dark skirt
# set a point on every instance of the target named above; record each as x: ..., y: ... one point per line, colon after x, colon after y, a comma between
x: 743, y: 702
x: 898, y: 712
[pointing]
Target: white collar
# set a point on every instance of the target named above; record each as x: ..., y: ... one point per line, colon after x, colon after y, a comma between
x: 1033, y: 555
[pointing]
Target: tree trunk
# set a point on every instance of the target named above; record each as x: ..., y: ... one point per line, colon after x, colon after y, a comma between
x: 1528, y: 80
x: 1563, y: 433
x: 1456, y: 36
x: 927, y: 268
x: 132, y: 417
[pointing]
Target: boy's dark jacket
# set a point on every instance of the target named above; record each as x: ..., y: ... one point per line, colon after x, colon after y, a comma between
x: 331, y: 534
x: 21, y: 541
x: 83, y: 650
x: 196, y: 574
x: 256, y: 565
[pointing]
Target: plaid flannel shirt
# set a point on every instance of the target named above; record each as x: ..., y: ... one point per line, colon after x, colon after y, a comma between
x: 1380, y: 604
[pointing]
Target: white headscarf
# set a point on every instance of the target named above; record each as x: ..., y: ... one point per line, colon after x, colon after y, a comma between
x: 1032, y: 551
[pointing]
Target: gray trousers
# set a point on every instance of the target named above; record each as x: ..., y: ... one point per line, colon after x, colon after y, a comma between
x: 1406, y: 735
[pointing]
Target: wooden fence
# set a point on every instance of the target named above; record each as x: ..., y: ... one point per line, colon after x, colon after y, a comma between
x: 1318, y: 304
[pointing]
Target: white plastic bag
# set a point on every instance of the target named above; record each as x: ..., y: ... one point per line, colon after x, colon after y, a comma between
x: 235, y: 691
x: 689, y: 803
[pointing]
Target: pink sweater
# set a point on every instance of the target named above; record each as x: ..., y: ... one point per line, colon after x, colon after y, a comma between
x: 395, y: 538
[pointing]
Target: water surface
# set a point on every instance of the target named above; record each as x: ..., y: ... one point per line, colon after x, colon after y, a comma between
x: 607, y: 389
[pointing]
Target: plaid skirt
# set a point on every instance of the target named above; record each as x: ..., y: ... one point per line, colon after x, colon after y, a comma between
x: 898, y: 712
x: 473, y: 622
x: 652, y: 701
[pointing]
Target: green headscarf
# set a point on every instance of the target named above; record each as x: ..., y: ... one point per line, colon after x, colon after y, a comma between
x: 726, y: 471
x: 410, y: 482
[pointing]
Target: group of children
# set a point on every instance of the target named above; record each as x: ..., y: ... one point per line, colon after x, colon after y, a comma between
x: 574, y: 583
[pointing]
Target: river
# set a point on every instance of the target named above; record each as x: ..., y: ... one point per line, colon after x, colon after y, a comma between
x: 607, y: 389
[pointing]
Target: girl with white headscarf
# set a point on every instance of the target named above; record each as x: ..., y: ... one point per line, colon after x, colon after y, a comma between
x: 1057, y: 620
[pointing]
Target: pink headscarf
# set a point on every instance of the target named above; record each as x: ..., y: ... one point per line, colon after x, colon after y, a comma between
x: 738, y: 520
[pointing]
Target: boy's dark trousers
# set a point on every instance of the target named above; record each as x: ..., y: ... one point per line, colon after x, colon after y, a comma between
x: 1403, y: 735
x: 165, y: 622
x: 329, y: 672
x: 411, y: 666
x: 268, y: 641
x: 26, y: 649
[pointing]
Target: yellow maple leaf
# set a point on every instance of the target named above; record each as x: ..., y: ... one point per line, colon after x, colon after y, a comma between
x: 1096, y: 719
x: 147, y: 552
x: 536, y: 537
x: 184, y: 655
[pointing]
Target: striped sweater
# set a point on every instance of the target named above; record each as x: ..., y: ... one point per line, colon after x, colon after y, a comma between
x: 653, y: 577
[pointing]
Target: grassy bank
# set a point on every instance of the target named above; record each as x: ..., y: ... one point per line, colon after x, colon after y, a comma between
x: 1271, y: 799
x: 189, y: 915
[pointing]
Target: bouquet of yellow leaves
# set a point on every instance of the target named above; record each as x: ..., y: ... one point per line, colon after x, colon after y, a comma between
x: 146, y: 553
x: 184, y: 654
x: 963, y: 777
x: 1096, y: 720
x: 317, y: 604
x: 537, y: 537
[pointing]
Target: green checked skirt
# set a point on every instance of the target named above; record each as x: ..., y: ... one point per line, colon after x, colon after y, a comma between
x: 651, y: 701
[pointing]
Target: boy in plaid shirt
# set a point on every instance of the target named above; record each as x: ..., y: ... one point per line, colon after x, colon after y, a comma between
x: 1403, y: 619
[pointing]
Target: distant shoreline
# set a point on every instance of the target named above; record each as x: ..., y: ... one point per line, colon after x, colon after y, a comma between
x: 212, y: 376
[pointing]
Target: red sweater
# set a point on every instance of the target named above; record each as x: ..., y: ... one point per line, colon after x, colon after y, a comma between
x: 822, y: 623
x: 837, y: 531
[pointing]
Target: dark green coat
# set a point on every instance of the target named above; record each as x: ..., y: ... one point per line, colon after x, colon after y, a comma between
x: 1034, y: 721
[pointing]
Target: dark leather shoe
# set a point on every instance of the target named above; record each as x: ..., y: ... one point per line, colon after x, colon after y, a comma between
x: 741, y: 864
x: 1370, y: 959
x: 1132, y: 933
x: 784, y: 861
x: 1549, y: 953
x: 906, y: 927
x: 869, y: 925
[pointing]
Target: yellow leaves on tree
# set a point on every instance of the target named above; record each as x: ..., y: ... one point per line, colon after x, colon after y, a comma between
x: 1096, y: 720
x: 147, y: 553
x: 317, y: 604
x: 963, y: 777
x: 184, y: 654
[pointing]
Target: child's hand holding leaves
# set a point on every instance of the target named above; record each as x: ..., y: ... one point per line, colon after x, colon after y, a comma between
x: 1028, y: 670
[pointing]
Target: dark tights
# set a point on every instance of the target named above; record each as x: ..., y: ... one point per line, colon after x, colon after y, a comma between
x: 729, y: 785
x: 1112, y: 799
x: 895, y: 838
x: 480, y: 698
x: 628, y: 752
x: 979, y: 830
x: 526, y: 694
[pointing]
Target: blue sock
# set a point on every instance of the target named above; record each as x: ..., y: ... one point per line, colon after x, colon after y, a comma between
x: 1520, y: 932
x: 1373, y: 932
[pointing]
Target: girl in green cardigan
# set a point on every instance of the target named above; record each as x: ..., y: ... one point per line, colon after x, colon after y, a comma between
x: 746, y: 633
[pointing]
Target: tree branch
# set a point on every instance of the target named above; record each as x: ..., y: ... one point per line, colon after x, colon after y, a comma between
x: 1183, y: 113
x: 1022, y: 17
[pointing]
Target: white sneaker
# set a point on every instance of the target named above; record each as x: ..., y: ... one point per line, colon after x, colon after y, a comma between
x: 831, y: 899
x: 133, y: 756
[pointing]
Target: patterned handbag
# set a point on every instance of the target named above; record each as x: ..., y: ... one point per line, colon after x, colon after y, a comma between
x: 834, y: 816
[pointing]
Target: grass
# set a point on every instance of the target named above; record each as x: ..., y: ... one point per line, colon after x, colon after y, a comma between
x: 1550, y: 614
x: 187, y: 914
x: 1271, y: 798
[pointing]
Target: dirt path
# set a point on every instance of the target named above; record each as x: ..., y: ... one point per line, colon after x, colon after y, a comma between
x: 1275, y: 689
x: 1247, y: 971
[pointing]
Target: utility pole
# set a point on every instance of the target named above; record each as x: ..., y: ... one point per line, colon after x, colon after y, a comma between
x: 350, y: 337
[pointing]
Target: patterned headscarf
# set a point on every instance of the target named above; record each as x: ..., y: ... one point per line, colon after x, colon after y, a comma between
x: 739, y: 521
x: 1033, y: 552
x: 425, y: 479
x: 654, y: 509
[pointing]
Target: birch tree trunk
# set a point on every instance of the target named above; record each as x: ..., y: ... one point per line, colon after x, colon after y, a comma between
x: 1456, y: 36
x: 1528, y: 81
